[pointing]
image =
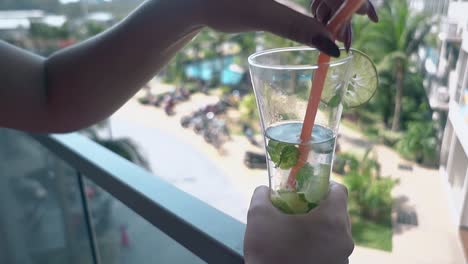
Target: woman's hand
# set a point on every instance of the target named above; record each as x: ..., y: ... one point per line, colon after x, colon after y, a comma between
x: 266, y: 15
x: 323, y: 236
x: 323, y: 11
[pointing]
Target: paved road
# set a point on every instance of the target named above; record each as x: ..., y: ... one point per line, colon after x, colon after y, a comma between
x: 183, y: 166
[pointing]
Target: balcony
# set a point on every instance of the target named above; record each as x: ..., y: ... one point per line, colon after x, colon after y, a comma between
x: 450, y: 31
x: 70, y: 200
x: 460, y: 125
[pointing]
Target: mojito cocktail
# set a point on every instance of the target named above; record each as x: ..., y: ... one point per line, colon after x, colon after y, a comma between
x: 299, y: 166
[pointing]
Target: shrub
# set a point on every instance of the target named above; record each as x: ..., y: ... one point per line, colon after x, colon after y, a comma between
x: 419, y: 143
x: 344, y: 162
x: 369, y: 194
x: 225, y: 90
x: 390, y: 138
x: 248, y: 108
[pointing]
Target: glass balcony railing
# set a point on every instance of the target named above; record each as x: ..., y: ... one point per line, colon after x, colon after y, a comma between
x: 65, y: 199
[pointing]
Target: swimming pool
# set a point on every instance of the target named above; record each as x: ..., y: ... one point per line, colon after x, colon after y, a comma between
x: 231, y: 73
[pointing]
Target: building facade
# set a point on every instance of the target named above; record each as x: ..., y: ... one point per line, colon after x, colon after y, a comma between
x: 446, y: 84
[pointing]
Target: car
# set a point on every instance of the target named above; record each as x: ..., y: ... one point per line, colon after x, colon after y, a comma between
x: 255, y: 160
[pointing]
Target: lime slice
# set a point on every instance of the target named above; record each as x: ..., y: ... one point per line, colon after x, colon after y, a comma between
x: 362, y: 86
x: 364, y: 80
x: 290, y: 202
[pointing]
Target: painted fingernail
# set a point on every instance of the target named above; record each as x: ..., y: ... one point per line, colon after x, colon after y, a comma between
x: 372, y: 14
x: 326, y: 45
x: 348, y: 38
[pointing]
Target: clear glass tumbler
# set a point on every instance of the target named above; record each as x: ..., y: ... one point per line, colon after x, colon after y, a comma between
x: 282, y: 80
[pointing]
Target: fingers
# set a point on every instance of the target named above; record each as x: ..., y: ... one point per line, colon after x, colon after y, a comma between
x: 371, y: 13
x: 348, y: 37
x: 314, y: 6
x: 323, y: 7
x: 324, y: 10
x: 261, y: 194
x: 363, y: 9
x: 337, y: 199
x: 323, y: 14
x: 293, y: 25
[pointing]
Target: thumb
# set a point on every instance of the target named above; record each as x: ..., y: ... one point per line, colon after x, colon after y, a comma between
x: 285, y: 22
x: 261, y: 200
x: 261, y: 196
x: 337, y: 199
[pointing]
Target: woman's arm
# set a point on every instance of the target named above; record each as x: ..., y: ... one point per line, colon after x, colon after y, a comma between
x: 86, y: 83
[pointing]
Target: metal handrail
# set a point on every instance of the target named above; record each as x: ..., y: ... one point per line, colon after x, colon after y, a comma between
x: 207, y: 232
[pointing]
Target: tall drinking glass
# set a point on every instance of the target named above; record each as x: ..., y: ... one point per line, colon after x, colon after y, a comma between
x: 282, y: 81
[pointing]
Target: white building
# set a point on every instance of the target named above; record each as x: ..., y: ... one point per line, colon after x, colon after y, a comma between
x: 447, y: 88
x: 14, y: 20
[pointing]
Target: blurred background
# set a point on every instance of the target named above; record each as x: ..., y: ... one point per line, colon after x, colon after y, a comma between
x: 403, y: 155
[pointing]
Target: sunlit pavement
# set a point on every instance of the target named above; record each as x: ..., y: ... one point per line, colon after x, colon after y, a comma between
x: 420, y: 190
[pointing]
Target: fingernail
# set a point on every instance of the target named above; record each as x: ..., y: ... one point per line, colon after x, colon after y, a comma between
x: 348, y: 38
x: 372, y: 14
x: 326, y: 45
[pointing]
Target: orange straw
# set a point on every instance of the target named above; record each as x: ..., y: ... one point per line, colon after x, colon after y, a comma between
x: 342, y: 16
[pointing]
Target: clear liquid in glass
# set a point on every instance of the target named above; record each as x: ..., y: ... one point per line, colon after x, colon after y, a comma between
x: 312, y: 179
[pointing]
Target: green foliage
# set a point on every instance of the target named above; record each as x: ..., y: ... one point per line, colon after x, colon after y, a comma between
x: 225, y: 90
x: 370, y: 234
x: 344, y: 163
x: 272, y: 41
x: 124, y: 147
x: 391, y: 43
x: 248, y: 108
x: 370, y: 201
x: 389, y: 138
x: 282, y: 154
x: 247, y: 43
x: 41, y: 30
x: 93, y: 28
x: 303, y: 3
x: 419, y: 143
x: 175, y: 69
x: 369, y: 194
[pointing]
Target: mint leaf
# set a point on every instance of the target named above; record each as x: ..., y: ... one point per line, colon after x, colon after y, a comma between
x: 289, y: 156
x: 303, y: 176
x: 282, y: 154
x: 274, y: 149
x: 335, y: 101
x: 311, y: 205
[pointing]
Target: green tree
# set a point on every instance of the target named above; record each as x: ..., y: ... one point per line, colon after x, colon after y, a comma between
x: 419, y: 143
x: 44, y: 31
x: 392, y: 42
x: 247, y: 43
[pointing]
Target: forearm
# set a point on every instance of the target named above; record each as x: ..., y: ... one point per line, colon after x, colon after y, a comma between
x: 88, y: 82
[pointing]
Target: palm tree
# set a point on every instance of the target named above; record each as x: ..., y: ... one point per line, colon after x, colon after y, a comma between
x: 392, y: 43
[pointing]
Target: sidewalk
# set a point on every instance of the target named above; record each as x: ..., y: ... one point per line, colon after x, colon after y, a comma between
x: 435, y: 238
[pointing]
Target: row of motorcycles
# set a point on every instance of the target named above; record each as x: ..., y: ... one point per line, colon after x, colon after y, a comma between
x: 167, y: 100
x: 206, y: 123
